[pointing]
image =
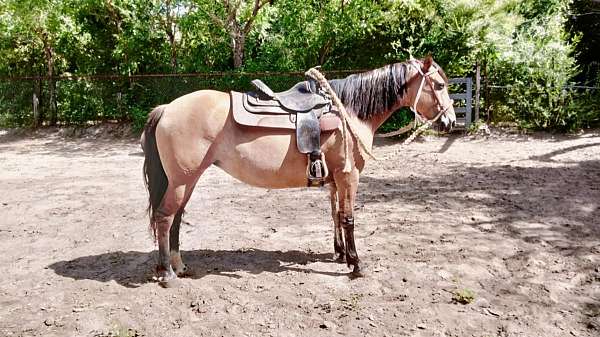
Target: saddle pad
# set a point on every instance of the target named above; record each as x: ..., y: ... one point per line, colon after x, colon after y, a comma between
x: 279, y: 120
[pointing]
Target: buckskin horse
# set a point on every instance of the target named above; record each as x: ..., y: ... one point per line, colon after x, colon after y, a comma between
x: 185, y: 137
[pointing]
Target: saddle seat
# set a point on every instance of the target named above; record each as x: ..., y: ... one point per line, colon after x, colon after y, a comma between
x: 302, y: 97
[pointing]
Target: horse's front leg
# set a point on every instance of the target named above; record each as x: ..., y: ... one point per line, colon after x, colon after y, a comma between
x: 338, y: 240
x: 347, y: 184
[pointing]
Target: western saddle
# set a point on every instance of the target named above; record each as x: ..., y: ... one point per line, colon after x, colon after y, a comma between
x: 304, y: 107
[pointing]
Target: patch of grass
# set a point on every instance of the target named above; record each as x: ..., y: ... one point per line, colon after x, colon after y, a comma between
x: 463, y: 296
x: 351, y: 303
x: 476, y: 126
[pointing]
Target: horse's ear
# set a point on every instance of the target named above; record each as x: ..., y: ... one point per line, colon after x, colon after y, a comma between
x: 427, y: 62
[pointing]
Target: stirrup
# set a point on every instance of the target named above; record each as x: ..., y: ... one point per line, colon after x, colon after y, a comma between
x: 316, y: 171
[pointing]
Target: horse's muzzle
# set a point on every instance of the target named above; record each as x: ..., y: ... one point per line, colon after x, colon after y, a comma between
x: 447, y: 123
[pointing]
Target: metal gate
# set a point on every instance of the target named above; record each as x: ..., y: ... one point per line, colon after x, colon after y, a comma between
x: 463, y: 101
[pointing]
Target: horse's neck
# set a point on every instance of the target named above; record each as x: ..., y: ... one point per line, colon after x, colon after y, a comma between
x: 379, y: 119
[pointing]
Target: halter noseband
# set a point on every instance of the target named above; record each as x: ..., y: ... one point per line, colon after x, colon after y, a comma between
x: 426, y: 77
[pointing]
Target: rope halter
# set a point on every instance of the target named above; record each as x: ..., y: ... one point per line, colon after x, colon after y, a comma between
x: 426, y: 77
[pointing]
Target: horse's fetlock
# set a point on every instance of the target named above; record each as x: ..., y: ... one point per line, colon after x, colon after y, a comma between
x: 347, y: 221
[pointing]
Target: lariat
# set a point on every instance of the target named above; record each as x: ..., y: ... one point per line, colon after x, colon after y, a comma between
x: 348, y: 125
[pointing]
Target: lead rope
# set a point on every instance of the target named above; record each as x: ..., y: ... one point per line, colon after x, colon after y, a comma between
x: 420, y: 130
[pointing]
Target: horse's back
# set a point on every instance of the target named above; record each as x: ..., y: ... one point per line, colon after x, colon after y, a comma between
x: 201, y: 113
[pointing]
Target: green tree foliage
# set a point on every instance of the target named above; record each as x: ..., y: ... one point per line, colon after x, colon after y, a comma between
x: 235, y: 18
x: 584, y: 26
x: 528, y: 54
x: 523, y: 46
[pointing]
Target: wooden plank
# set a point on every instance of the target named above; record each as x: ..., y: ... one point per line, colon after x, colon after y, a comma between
x: 468, y: 116
x: 458, y: 80
x: 459, y: 96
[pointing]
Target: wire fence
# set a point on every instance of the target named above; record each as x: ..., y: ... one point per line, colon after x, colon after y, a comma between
x: 568, y: 87
x: 28, y: 100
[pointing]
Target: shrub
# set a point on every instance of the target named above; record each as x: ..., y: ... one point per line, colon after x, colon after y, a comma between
x: 534, y: 66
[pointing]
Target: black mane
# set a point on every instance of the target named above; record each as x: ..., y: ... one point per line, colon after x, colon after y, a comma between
x: 372, y: 92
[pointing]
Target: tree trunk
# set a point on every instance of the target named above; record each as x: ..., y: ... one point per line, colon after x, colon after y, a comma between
x: 174, y: 57
x: 324, y: 51
x: 238, y: 41
x: 237, y: 30
x: 52, y: 108
x: 169, y: 26
x: 173, y: 45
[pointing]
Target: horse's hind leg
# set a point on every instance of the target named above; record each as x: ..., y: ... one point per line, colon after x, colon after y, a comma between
x: 176, y: 261
x: 338, y: 240
x: 163, y: 218
x: 179, y: 267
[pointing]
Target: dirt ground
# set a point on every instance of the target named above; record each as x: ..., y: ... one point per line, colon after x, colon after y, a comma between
x: 508, y: 224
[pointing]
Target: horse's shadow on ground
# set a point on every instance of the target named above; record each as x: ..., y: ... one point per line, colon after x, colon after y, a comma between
x: 132, y: 269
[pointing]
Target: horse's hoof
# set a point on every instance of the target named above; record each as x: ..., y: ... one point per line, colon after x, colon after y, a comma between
x: 357, y: 272
x: 166, y: 278
x: 172, y: 282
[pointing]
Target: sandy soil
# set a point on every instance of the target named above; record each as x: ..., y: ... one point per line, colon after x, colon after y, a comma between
x: 513, y: 221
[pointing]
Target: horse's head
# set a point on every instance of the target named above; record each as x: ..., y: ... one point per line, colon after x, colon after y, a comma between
x: 427, y: 89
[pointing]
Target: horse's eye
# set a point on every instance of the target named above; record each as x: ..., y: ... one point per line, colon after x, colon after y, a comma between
x: 439, y: 86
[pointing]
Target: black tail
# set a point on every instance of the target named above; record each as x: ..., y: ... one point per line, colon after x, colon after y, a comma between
x: 155, y: 178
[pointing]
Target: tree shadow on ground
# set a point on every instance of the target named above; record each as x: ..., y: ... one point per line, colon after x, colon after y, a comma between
x: 72, y: 142
x: 552, y: 206
x: 559, y: 204
x: 549, y: 157
x: 132, y: 269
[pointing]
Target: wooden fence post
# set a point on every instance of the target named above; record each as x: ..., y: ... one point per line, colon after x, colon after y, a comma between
x: 119, y: 98
x: 36, y: 104
x: 36, y: 115
x: 477, y: 90
x: 486, y: 93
